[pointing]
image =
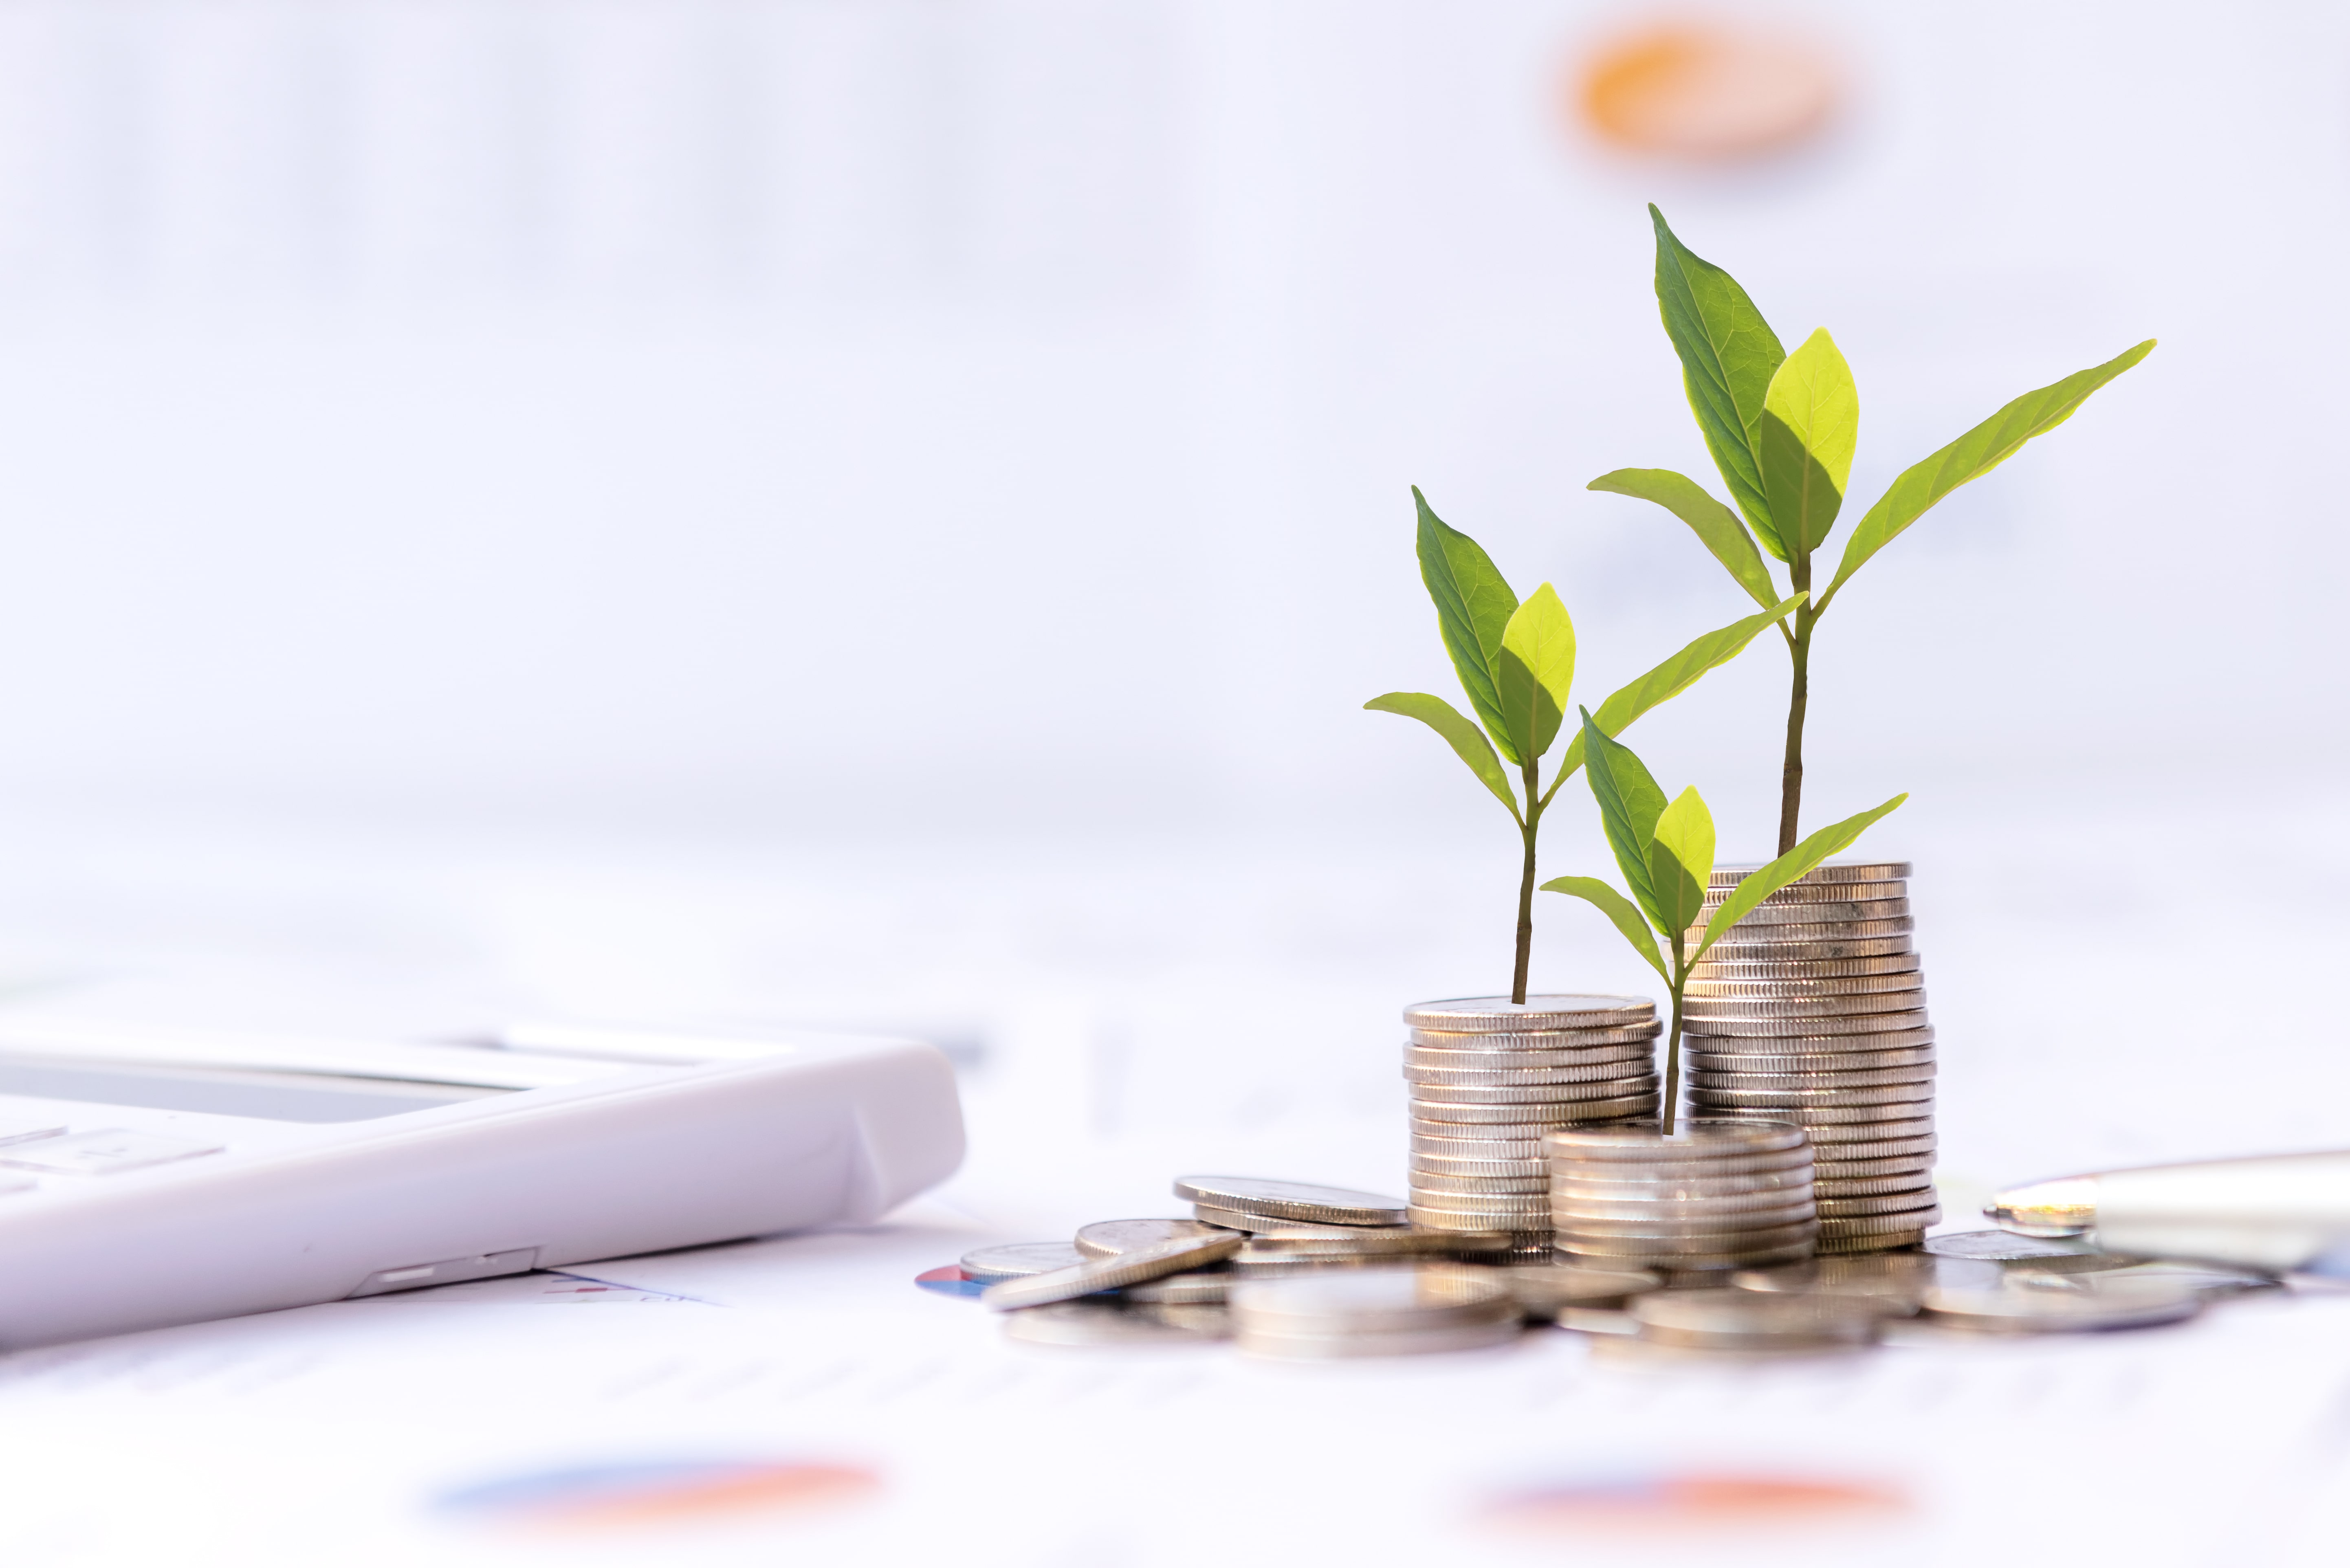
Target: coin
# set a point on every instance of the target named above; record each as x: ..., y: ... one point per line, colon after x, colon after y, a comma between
x: 1482, y: 1014
x: 1545, y: 1290
x: 1570, y: 1186
x: 1469, y: 1186
x: 1529, y: 1078
x: 1826, y: 871
x: 1881, y: 1224
x: 1112, y: 1238
x: 1695, y: 1140
x: 1533, y: 1207
x: 1893, y: 1283
x: 1234, y: 1220
x: 1737, y: 1208
x: 2052, y: 1311
x: 1450, y: 1165
x: 1571, y: 1167
x: 1403, y: 1342
x: 1181, y: 1290
x: 1804, y: 1006
x: 1108, y: 1273
x: 1830, y: 1246
x: 1782, y: 990
x: 1813, y: 1117
x: 1713, y: 1078
x: 1898, y: 1165
x: 1867, y: 1145
x: 1697, y: 1059
x: 1705, y: 1235
x: 1376, y: 1300
x: 1890, y: 1204
x: 1730, y: 956
x: 1736, y: 1319
x: 1551, y: 1115
x: 1714, y: 969
x: 1606, y: 1059
x: 1086, y: 1323
x: 1817, y: 914
x: 2006, y: 1247
x: 1520, y: 1225
x: 1016, y: 1260
x: 1507, y: 1149
x: 1727, y: 1046
x: 1592, y: 1250
x: 1816, y: 892
x: 1707, y: 1096
x: 1290, y: 1199
x: 1907, y: 1020
x: 1397, y: 1243
x: 1534, y: 1094
x: 1598, y: 1041
x: 1873, y: 1186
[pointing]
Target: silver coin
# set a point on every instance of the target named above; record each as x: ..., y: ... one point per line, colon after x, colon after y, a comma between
x: 1375, y: 1300
x: 1715, y: 970
x: 1897, y: 1165
x: 1595, y: 1252
x: 1707, y: 1096
x: 1880, y: 1224
x: 1398, y: 1243
x: 1724, y: 1048
x: 1573, y: 1167
x: 1504, y: 1043
x: 1814, y: 1119
x: 1291, y: 1200
x: 1912, y: 979
x: 1734, y: 1208
x: 1724, y: 1189
x: 1915, y: 1180
x: 1511, y: 1077
x: 2007, y: 1247
x: 1736, y: 1319
x: 1099, y: 1275
x: 1546, y: 1115
x: 1868, y: 1144
x: 1846, y: 1246
x: 1816, y: 892
x: 1482, y: 1015
x: 1903, y: 1020
x: 1181, y: 1290
x: 1712, y: 1234
x: 1089, y: 1322
x: 1730, y: 876
x: 1731, y: 956
x: 1457, y: 1165
x: 1531, y: 1206
x: 2204, y: 1279
x: 1017, y: 1260
x: 1113, y: 1238
x: 1697, y: 1060
x: 2053, y: 1311
x: 1519, y: 1225
x: 1511, y: 1151
x: 1888, y: 1203
x: 1892, y: 1283
x: 1534, y: 1094
x: 1824, y: 1078
x: 1545, y: 1290
x: 1845, y: 912
x: 1805, y: 1006
x: 1694, y: 1140
x: 1429, y: 1181
x: 1234, y: 1220
x: 1602, y: 1061
x: 1348, y: 1346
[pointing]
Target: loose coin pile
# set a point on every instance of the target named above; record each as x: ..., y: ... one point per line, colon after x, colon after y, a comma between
x: 1811, y: 1011
x: 1713, y: 1195
x: 1489, y: 1079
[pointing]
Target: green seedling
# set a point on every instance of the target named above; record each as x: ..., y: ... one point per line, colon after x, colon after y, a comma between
x: 1783, y: 429
x: 1666, y: 853
x: 1516, y: 662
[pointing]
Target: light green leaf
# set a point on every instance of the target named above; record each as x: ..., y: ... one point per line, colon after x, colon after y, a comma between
x: 1971, y: 456
x: 1474, y: 606
x: 1796, y: 863
x: 1536, y: 671
x: 1669, y: 681
x: 1618, y: 910
x: 1811, y: 426
x: 1716, y: 525
x: 1728, y: 354
x: 1467, y: 741
x: 1629, y: 804
x: 1680, y: 859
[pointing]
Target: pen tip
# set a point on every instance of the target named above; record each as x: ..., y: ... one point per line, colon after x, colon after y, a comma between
x: 2064, y: 1207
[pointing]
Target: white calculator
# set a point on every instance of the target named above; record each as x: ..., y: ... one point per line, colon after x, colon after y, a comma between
x: 151, y: 1178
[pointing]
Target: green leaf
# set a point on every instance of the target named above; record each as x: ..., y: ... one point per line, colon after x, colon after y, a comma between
x: 1618, y: 910
x: 1629, y: 804
x: 1811, y: 425
x: 1971, y: 456
x: 1474, y: 606
x: 1728, y: 354
x: 1716, y: 525
x: 1796, y: 863
x: 1669, y: 681
x: 1537, y: 668
x: 1467, y: 741
x: 1680, y: 860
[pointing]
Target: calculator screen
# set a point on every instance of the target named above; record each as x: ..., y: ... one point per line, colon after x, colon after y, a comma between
x: 228, y: 1091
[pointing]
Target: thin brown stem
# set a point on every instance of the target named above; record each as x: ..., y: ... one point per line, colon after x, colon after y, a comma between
x: 1790, y: 772
x: 1532, y: 770
x: 1665, y: 1113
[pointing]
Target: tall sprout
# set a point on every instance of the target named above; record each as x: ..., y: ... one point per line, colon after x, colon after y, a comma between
x: 1515, y: 661
x: 1783, y: 429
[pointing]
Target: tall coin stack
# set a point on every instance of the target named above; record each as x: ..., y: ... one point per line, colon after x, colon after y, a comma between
x: 1491, y: 1078
x: 1714, y: 1195
x: 1811, y: 1011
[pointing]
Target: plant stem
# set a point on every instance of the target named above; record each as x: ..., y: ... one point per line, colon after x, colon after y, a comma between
x: 1799, y: 650
x: 1665, y: 1117
x: 1533, y: 773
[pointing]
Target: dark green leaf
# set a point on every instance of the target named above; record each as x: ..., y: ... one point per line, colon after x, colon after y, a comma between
x: 1474, y: 606
x: 1618, y: 910
x: 1629, y: 804
x: 1797, y: 862
x: 1728, y: 354
x: 1971, y: 456
x: 1716, y: 525
x: 1467, y: 741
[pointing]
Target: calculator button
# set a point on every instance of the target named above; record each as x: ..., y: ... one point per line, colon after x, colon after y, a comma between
x: 103, y: 1153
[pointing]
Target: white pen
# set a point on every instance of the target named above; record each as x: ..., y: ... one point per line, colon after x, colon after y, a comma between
x: 2275, y: 1212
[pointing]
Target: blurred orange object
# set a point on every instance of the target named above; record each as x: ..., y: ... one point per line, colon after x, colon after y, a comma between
x: 1707, y: 93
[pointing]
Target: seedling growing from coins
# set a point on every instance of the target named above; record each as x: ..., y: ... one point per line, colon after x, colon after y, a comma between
x: 1516, y: 662
x: 1664, y: 851
x: 1783, y: 429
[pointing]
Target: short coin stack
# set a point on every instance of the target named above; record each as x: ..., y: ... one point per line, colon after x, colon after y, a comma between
x: 1714, y: 1195
x: 1490, y: 1078
x: 1811, y: 1011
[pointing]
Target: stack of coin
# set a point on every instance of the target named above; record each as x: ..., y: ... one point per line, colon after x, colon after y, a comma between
x: 1374, y: 1312
x: 1811, y: 1011
x: 1714, y: 1195
x: 1490, y: 1078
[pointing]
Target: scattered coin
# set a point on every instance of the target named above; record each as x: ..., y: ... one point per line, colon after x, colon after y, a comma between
x: 1750, y: 1320
x: 2006, y: 1310
x: 1388, y: 1243
x: 1112, y: 1238
x: 1373, y: 1301
x: 1016, y: 1260
x: 1181, y: 1290
x: 1098, y: 1274
x: 2007, y: 1247
x: 1543, y: 1290
x: 1291, y: 1200
x: 1234, y: 1220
